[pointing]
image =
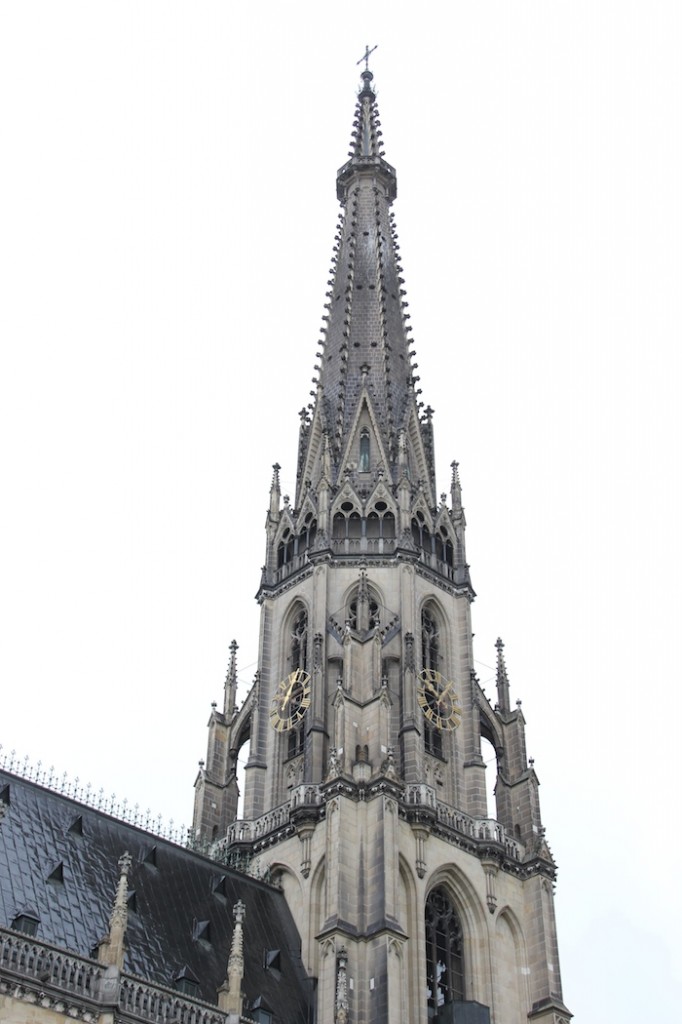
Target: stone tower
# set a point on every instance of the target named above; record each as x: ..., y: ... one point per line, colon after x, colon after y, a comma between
x: 365, y: 784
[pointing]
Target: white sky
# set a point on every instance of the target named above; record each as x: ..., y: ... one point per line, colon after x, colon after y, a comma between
x: 168, y: 208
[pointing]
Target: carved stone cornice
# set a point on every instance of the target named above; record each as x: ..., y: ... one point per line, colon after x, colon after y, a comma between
x: 36, y: 996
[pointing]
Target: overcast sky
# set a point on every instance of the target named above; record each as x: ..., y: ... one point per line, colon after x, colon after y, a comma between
x: 168, y: 210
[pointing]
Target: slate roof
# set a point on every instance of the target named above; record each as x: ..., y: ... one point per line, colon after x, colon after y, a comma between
x: 59, y: 863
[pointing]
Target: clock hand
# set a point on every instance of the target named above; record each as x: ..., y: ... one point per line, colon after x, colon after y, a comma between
x: 286, y: 697
x: 291, y: 686
x: 444, y: 693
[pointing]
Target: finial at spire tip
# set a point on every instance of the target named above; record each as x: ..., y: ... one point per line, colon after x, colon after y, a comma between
x: 366, y: 55
x: 502, y: 678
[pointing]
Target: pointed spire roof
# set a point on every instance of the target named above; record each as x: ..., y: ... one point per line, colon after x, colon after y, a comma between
x: 366, y: 152
x: 502, y: 680
x: 365, y: 349
x: 231, y: 681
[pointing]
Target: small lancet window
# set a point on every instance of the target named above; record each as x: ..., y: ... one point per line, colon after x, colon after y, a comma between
x: 444, y: 548
x: 420, y: 533
x: 433, y: 738
x: 296, y: 741
x: 285, y: 550
x: 430, y: 652
x: 354, y: 526
x: 299, y: 642
x: 306, y: 537
x: 363, y: 462
x: 444, y: 953
x: 339, y: 528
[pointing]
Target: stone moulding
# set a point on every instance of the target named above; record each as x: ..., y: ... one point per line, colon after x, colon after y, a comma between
x: 482, y: 837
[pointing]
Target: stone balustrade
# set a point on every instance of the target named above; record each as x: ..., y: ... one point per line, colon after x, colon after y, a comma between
x: 272, y: 821
x: 27, y: 965
x: 481, y: 829
x: 160, y: 1006
x: 415, y: 796
x: 47, y: 965
x: 420, y: 795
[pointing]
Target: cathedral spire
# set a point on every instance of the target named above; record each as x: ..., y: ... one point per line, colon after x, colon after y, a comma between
x: 366, y: 721
x: 365, y: 363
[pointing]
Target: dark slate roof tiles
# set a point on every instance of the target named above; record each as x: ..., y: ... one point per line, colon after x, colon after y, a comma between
x: 184, y: 901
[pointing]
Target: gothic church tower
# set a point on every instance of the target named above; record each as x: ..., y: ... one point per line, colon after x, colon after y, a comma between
x: 365, y: 784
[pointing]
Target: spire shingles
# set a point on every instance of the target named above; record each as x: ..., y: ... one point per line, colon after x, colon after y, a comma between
x: 364, y: 334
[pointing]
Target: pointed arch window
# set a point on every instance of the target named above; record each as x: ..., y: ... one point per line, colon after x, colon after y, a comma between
x: 421, y: 534
x: 431, y: 660
x: 298, y: 656
x: 363, y: 532
x: 347, y: 522
x: 285, y: 549
x: 298, y: 659
x: 444, y: 953
x: 388, y: 526
x: 295, y: 740
x: 363, y: 461
x: 354, y: 522
x: 444, y: 548
x: 430, y: 641
x: 381, y: 522
x: 307, y: 535
x: 373, y: 526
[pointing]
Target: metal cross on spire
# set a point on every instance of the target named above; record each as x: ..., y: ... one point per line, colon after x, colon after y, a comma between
x: 366, y: 56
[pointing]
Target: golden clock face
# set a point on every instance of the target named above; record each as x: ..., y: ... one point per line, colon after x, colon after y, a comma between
x: 438, y: 700
x: 291, y: 700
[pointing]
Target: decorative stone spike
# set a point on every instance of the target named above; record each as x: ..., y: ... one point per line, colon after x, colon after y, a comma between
x: 231, y: 682
x: 112, y: 948
x: 275, y: 493
x: 502, y: 680
x: 230, y: 999
x: 455, y: 489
